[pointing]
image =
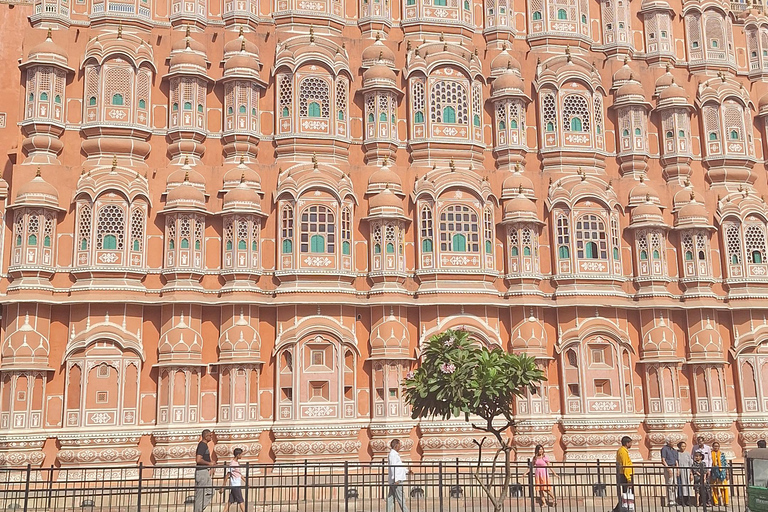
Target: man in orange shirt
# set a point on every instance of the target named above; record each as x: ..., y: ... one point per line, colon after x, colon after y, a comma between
x: 624, y: 470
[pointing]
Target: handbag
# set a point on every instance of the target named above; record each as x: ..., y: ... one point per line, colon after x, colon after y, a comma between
x: 628, y: 502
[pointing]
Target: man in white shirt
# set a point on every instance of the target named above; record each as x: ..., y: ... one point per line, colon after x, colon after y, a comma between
x: 397, y: 476
x: 706, y: 451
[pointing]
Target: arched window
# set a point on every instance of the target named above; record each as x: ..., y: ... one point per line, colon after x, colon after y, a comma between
x: 754, y: 240
x: 286, y: 230
x: 563, y: 237
x: 318, y: 230
x: 575, y: 113
x: 591, y: 239
x: 117, y: 99
x: 459, y: 230
x: 187, y: 105
x: 449, y: 102
x: 638, y: 132
x: 92, y: 101
x: 561, y: 14
x: 734, y: 135
x: 142, y: 104
x: 314, y: 98
x: 346, y: 231
x: 110, y: 228
x: 427, y: 234
x: 419, y: 117
x: 44, y: 96
x: 537, y: 15
x: 712, y: 135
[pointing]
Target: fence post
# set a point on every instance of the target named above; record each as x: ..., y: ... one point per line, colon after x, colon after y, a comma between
x: 305, y: 479
x: 531, y: 491
x: 26, y: 487
x: 384, y: 481
x: 346, y: 486
x: 247, y: 484
x: 139, y: 486
x: 730, y: 479
x: 440, y: 483
x: 50, y: 486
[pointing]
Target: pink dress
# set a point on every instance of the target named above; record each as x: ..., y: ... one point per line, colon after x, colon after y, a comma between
x: 541, y: 473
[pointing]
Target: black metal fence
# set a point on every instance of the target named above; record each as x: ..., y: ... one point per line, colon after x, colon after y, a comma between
x: 351, y: 487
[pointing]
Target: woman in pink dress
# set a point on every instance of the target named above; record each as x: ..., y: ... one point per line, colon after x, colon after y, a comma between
x: 541, y: 473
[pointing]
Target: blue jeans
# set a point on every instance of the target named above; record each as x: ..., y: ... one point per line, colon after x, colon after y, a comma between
x: 395, y: 494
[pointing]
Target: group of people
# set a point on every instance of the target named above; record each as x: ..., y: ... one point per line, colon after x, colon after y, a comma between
x: 233, y: 477
x: 696, y: 478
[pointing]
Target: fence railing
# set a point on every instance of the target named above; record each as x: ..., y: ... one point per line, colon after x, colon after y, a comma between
x: 354, y: 487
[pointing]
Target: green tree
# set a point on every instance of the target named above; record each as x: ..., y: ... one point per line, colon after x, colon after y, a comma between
x: 457, y: 377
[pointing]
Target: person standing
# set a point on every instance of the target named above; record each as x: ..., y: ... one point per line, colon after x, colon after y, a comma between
x: 234, y: 480
x: 704, y: 449
x: 719, y: 476
x: 203, y: 472
x: 685, y: 478
x: 397, y: 476
x: 669, y: 458
x: 624, y: 470
x: 541, y: 475
x: 700, y: 473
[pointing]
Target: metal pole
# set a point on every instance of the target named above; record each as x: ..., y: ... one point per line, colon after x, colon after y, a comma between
x: 26, y: 487
x: 141, y: 475
x: 440, y: 483
x: 346, y: 486
x: 305, y: 479
x: 50, y: 486
x: 246, y: 484
x: 531, y: 490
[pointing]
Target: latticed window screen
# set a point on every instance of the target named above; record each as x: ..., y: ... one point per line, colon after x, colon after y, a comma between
x: 477, y: 104
x: 641, y: 242
x: 615, y: 240
x: 733, y: 242
x: 591, y: 239
x: 713, y: 29
x: 529, y: 241
x: 318, y: 230
x: 459, y: 230
x: 733, y: 116
x: 563, y: 236
x: 711, y: 122
x: 346, y: 231
x: 657, y: 245
x: 118, y: 83
x: 50, y: 223
x: 229, y: 239
x: 549, y: 112
x: 198, y: 232
x: 84, y: 228
x: 390, y: 238
x: 448, y: 100
x: 754, y: 240
x: 18, y: 227
x: 693, y: 29
x: 575, y: 114
x: 427, y: 233
x: 376, y: 238
x: 110, y: 227
x: 314, y: 98
x: 514, y: 243
x: 689, y: 251
x: 91, y: 85
x: 137, y: 229
x: 286, y: 229
x: 598, y: 114
x: 341, y: 99
x: 417, y: 90
x: 33, y: 229
x: 488, y: 232
x: 285, y: 92
x: 143, y: 87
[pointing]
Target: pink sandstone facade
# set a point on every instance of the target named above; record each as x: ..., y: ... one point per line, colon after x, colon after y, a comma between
x: 248, y: 215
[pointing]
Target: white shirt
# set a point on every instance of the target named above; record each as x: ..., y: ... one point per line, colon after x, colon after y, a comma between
x: 235, y: 477
x: 397, y: 472
x: 705, y: 450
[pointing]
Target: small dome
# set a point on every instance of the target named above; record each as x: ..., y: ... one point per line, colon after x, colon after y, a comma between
x: 186, y: 173
x: 385, y: 199
x: 240, y: 44
x: 242, y: 60
x: 673, y: 91
x: 631, y: 88
x: 181, y: 343
x: 37, y: 192
x: 623, y: 74
x: 239, y: 173
x: 25, y: 348
x: 503, y: 62
x: 378, y: 52
x: 185, y: 196
x: 242, y: 196
x: 693, y: 213
x: 646, y: 213
x: 642, y: 193
x: 187, y: 58
x: 520, y: 204
x: 240, y: 342
x: 188, y: 42
x: 509, y: 80
x: 514, y: 183
x: 48, y: 51
x: 390, y: 340
x: 377, y: 73
x: 384, y: 178
x: 665, y: 80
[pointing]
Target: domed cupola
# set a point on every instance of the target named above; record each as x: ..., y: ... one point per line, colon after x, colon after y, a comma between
x: 510, y: 104
x: 381, y: 93
x: 37, y: 193
x: 631, y: 109
x: 378, y: 53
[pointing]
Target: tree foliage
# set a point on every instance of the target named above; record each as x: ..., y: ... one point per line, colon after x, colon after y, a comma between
x: 457, y: 377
